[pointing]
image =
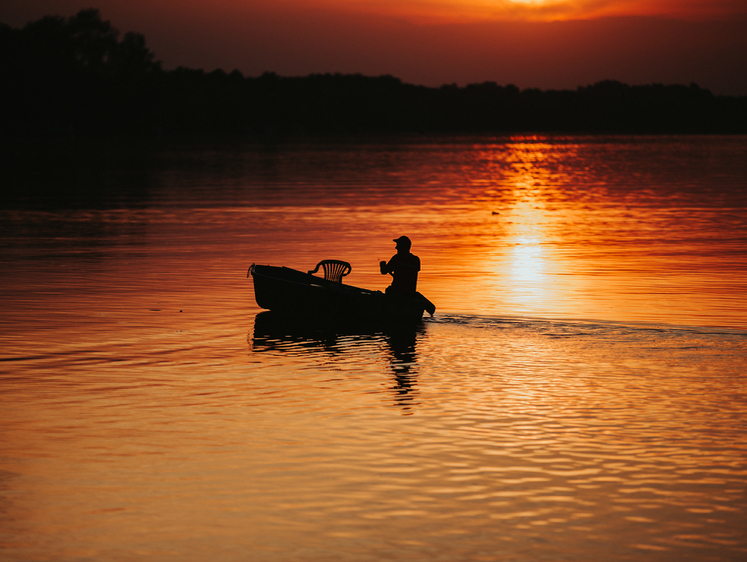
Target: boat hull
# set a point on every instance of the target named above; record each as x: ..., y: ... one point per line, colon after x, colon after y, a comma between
x: 293, y: 292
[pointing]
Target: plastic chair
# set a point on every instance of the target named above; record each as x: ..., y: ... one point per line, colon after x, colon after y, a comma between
x: 334, y: 270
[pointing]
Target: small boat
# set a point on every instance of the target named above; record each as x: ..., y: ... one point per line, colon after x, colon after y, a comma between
x: 289, y: 291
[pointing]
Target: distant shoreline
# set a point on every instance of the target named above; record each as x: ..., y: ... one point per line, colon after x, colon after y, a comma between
x: 75, y: 77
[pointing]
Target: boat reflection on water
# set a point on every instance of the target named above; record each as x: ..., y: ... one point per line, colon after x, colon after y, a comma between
x: 291, y: 335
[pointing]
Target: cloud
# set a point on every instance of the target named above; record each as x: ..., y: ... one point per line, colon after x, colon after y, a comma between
x: 462, y: 11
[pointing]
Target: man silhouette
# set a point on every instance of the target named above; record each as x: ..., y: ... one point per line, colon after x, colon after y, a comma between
x: 403, y: 267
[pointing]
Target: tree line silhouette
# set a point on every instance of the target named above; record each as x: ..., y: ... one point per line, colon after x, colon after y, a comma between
x: 75, y: 76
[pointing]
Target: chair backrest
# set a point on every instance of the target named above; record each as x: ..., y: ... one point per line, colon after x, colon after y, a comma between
x: 334, y: 270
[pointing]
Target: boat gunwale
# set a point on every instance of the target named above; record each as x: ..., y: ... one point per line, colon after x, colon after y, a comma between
x: 318, y: 281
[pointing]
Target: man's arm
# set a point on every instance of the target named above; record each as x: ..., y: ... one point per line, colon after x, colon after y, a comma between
x: 385, y: 267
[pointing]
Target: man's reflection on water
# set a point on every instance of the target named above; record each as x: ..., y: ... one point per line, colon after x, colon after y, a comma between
x: 278, y: 333
x: 403, y: 358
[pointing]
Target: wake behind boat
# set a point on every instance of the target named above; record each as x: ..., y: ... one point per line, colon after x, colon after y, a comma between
x: 289, y: 291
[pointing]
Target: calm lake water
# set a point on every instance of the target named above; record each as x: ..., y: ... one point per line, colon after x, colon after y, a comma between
x: 579, y: 394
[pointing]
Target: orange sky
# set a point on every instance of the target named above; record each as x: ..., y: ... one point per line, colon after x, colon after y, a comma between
x: 452, y: 11
x: 530, y: 43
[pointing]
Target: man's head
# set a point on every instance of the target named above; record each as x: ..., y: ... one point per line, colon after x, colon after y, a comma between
x: 403, y: 244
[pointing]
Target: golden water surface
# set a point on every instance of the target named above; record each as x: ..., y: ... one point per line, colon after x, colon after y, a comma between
x: 579, y: 394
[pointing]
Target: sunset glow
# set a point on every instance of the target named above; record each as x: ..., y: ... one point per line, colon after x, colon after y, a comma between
x: 546, y: 44
x: 450, y: 11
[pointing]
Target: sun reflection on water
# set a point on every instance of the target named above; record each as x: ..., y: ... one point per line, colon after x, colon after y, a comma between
x: 522, y: 257
x: 527, y: 265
